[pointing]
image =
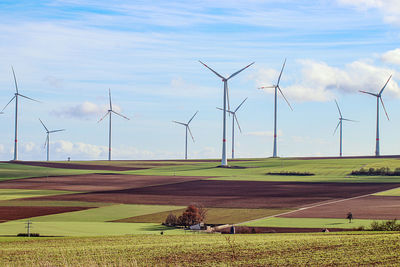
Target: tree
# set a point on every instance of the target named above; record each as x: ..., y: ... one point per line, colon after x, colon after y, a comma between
x: 171, y: 220
x: 190, y: 216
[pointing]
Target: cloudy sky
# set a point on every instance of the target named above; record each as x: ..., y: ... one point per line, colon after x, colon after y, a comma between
x: 67, y: 53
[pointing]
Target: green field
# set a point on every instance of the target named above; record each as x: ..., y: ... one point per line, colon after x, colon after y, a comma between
x: 7, y: 194
x: 393, y: 192
x: 214, y: 215
x: 343, y: 249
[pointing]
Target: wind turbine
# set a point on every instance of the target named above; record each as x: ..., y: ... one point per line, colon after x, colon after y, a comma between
x: 47, y: 142
x: 16, y: 113
x: 109, y: 112
x: 378, y: 97
x: 187, y: 129
x: 276, y: 87
x: 234, y: 117
x: 224, y: 161
x: 341, y: 119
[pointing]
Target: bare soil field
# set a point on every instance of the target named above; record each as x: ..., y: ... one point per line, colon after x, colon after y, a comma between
x: 21, y: 212
x: 232, y: 194
x: 369, y: 207
x: 93, y: 182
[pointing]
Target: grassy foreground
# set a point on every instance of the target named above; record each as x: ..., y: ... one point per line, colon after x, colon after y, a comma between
x: 205, y: 250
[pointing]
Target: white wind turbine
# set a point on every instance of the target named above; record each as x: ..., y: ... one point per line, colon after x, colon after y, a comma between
x: 187, y: 129
x: 109, y: 112
x: 234, y: 117
x: 47, y: 142
x: 341, y: 119
x: 276, y: 87
x: 378, y: 97
x: 224, y: 161
x: 16, y: 95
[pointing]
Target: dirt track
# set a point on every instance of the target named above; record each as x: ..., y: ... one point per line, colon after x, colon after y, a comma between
x: 369, y: 207
x: 16, y: 213
x: 234, y: 194
x: 93, y: 182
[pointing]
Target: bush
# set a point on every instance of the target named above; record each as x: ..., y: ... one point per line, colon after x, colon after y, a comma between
x: 171, y: 220
x: 31, y: 235
x: 390, y: 225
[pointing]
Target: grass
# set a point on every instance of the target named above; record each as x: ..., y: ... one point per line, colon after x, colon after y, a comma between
x: 326, y: 170
x: 310, y: 223
x: 70, y: 228
x: 392, y: 192
x: 104, y: 214
x: 214, y: 215
x: 319, y: 249
x: 7, y: 194
x: 10, y: 171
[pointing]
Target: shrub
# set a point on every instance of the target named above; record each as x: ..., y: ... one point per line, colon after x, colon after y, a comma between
x: 31, y: 235
x: 390, y: 225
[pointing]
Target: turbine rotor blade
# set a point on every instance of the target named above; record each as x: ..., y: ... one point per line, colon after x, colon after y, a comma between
x: 284, y: 97
x: 380, y: 93
x: 47, y: 130
x: 108, y: 112
x: 239, y: 71
x: 47, y: 141
x: 190, y: 132
x: 240, y: 129
x: 8, y: 103
x: 184, y: 124
x: 15, y: 80
x: 337, y: 126
x: 54, y: 131
x: 365, y: 92
x: 193, y: 117
x: 119, y: 114
x: 227, y: 96
x: 280, y: 75
x: 348, y: 120
x: 383, y: 105
x: 29, y: 98
x: 240, y: 105
x: 264, y: 87
x: 109, y: 95
x: 216, y: 73
x: 340, y: 113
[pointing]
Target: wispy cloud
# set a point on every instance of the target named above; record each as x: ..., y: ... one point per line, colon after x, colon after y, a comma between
x: 86, y: 110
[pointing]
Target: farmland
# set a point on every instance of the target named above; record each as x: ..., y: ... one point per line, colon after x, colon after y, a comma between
x: 119, y: 206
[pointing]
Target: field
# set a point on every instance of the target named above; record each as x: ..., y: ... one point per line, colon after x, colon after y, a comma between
x: 206, y: 250
x: 72, y: 200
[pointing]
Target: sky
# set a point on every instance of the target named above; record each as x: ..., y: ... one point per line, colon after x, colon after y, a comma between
x: 68, y: 53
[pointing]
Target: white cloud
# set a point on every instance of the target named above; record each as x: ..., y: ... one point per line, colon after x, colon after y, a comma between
x: 320, y: 82
x: 85, y: 110
x: 392, y: 56
x: 390, y: 9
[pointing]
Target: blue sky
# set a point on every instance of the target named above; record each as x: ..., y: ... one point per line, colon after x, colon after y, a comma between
x: 68, y: 53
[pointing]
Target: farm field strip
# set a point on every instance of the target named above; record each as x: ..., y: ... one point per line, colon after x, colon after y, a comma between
x: 9, y: 194
x: 343, y: 249
x: 39, y: 203
x: 391, y: 192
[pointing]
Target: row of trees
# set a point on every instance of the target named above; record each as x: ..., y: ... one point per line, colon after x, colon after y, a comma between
x: 384, y: 171
x: 193, y: 214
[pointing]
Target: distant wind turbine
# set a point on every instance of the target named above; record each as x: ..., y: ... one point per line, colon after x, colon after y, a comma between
x: 109, y: 112
x: 16, y: 113
x: 234, y: 117
x: 378, y: 97
x: 341, y: 119
x: 276, y: 87
x: 187, y: 129
x: 47, y: 142
x: 224, y: 161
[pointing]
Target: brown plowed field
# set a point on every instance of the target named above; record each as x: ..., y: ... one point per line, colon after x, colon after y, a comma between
x: 93, y: 182
x: 369, y: 207
x: 233, y: 194
x: 16, y: 213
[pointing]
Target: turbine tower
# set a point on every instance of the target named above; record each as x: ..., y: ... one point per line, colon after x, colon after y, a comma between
x: 224, y: 162
x: 187, y: 129
x: 276, y: 87
x: 378, y: 97
x: 109, y: 112
x: 341, y: 119
x: 234, y: 117
x: 16, y: 95
x: 47, y: 142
